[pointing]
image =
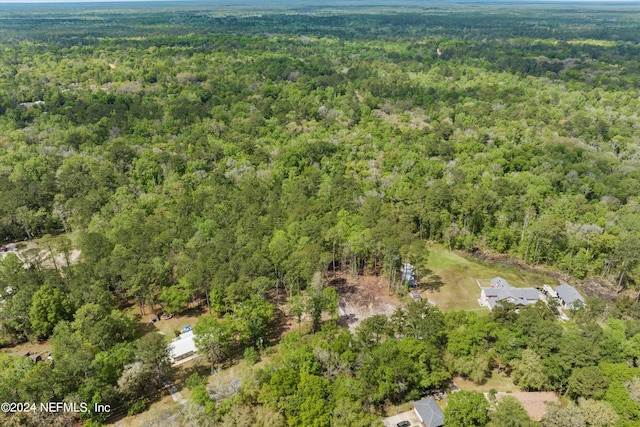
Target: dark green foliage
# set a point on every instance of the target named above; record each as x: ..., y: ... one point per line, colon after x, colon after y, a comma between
x: 588, y: 382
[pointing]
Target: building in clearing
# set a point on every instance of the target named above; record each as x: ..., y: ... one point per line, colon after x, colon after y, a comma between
x: 429, y: 413
x: 501, y: 291
x: 569, y: 297
x: 182, y: 347
x: 408, y: 275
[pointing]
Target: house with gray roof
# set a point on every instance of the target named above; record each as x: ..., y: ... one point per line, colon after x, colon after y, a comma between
x: 569, y: 297
x: 501, y: 291
x: 429, y: 413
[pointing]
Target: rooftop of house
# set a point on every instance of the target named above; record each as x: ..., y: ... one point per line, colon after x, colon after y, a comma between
x: 429, y: 412
x: 569, y: 294
x: 184, y: 344
x: 501, y: 290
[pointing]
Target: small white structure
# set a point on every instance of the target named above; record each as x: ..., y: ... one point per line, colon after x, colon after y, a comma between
x: 500, y: 291
x: 182, y: 347
x: 548, y: 290
x: 569, y: 297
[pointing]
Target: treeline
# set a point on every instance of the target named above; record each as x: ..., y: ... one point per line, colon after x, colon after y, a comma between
x: 75, y: 24
x: 342, y: 152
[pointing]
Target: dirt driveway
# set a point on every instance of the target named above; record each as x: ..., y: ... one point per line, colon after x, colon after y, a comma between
x: 404, y: 416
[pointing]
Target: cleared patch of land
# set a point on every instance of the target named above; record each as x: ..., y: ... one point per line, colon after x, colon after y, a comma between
x: 176, y: 323
x: 43, y: 252
x: 31, y: 347
x: 363, y: 296
x: 497, y: 381
x: 457, y: 275
x: 535, y: 403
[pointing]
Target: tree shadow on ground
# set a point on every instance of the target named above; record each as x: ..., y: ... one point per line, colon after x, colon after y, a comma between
x: 341, y: 286
x: 433, y: 283
x: 279, y: 326
x: 347, y: 320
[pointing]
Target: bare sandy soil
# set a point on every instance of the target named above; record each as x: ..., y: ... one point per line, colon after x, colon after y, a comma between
x: 32, y: 251
x: 361, y: 297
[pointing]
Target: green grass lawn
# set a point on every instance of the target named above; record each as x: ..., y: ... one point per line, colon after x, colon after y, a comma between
x: 499, y: 382
x: 459, y: 274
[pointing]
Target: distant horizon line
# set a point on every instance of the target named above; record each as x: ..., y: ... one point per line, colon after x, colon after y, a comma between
x: 327, y: 3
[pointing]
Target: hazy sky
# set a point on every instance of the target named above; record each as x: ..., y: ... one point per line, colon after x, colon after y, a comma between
x: 292, y: 2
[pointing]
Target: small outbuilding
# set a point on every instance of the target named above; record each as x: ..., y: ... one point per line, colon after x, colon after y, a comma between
x: 182, y: 347
x: 569, y: 297
x: 429, y: 412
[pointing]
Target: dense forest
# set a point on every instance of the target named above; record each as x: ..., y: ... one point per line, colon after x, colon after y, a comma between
x: 240, y: 155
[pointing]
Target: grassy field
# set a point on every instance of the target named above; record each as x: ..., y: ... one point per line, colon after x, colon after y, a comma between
x: 458, y: 275
x: 497, y: 381
x: 158, y: 413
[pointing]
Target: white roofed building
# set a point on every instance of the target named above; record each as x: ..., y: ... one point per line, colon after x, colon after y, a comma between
x: 182, y: 347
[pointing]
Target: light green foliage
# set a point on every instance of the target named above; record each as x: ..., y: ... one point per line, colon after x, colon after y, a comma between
x: 310, y: 406
x: 48, y: 307
x: 528, y: 372
x: 569, y: 416
x: 319, y: 301
x: 108, y: 365
x: 597, y: 413
x: 421, y: 320
x: 100, y: 327
x: 296, y: 308
x: 250, y: 355
x: 175, y: 298
x: 618, y: 397
x: 373, y: 330
x: 417, y: 254
x: 388, y: 372
x: 466, y: 408
x: 212, y: 339
x: 251, y: 319
x: 352, y: 414
x: 151, y: 349
x: 12, y: 371
x: 277, y: 387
